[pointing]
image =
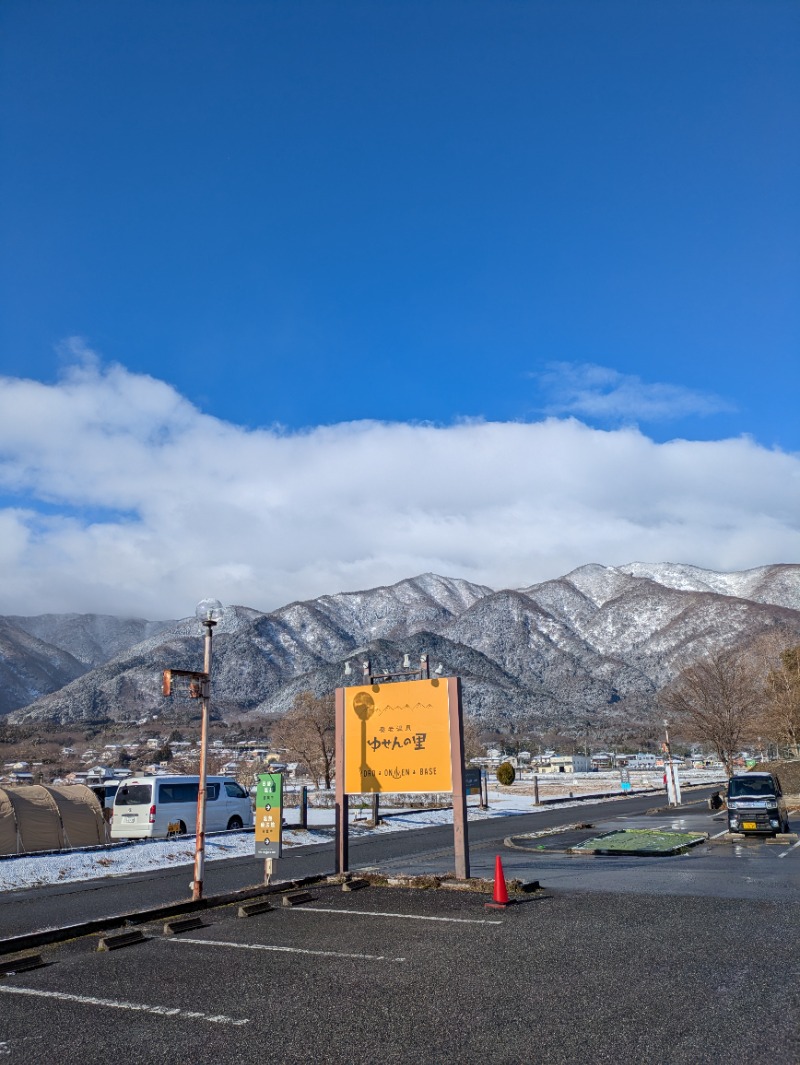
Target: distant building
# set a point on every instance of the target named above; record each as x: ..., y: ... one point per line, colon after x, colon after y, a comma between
x: 643, y: 760
x: 603, y: 760
x: 565, y: 763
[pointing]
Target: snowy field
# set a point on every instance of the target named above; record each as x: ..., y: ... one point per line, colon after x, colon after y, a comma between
x: 21, y: 871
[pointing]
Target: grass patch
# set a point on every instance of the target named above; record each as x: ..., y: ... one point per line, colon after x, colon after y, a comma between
x: 640, y: 841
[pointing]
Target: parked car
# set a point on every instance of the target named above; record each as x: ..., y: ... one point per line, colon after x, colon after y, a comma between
x: 756, y: 804
x: 157, y: 807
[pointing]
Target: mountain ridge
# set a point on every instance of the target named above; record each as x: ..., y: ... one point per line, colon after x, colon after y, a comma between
x: 559, y: 649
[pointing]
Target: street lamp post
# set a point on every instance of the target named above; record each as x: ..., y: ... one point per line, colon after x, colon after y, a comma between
x: 208, y: 612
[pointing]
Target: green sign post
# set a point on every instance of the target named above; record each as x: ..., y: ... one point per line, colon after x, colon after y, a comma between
x: 269, y: 815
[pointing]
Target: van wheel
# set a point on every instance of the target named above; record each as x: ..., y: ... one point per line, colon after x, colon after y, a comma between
x: 235, y: 823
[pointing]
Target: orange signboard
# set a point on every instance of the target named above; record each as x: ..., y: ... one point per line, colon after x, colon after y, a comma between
x: 397, y: 738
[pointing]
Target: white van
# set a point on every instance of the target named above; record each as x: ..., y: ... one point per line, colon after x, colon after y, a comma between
x: 157, y: 807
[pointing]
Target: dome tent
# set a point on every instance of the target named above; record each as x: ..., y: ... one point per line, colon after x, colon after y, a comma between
x: 44, y: 817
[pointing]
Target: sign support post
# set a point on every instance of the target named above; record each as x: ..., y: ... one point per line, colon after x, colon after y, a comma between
x: 460, y: 839
x: 341, y: 864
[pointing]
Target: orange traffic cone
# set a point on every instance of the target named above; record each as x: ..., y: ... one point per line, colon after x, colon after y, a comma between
x: 500, y: 897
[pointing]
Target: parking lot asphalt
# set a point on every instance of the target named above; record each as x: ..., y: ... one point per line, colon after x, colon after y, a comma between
x: 400, y: 976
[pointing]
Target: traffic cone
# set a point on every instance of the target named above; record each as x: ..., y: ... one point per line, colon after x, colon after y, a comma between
x: 500, y: 897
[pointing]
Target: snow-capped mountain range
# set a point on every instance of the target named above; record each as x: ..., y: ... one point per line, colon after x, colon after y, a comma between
x: 596, y: 638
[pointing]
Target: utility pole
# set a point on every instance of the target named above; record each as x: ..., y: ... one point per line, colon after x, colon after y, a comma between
x: 672, y: 791
x: 208, y: 622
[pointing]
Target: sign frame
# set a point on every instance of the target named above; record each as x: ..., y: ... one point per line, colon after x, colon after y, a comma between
x: 452, y: 687
x: 397, y: 738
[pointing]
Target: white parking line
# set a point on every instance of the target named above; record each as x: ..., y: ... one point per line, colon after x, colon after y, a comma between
x: 138, y: 1007
x: 718, y: 834
x: 286, y: 950
x: 794, y: 846
x: 405, y: 916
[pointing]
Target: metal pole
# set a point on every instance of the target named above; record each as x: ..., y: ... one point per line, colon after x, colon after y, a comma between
x: 460, y: 831
x: 200, y: 838
x: 304, y: 807
x: 671, y: 789
x: 342, y: 813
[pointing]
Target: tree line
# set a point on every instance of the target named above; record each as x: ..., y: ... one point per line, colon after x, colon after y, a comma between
x: 736, y: 696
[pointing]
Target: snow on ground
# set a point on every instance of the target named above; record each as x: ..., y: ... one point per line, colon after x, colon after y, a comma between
x: 21, y: 871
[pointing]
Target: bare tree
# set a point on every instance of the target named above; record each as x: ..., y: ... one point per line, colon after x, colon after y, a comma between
x: 307, y: 732
x: 718, y: 701
x: 782, y: 710
x: 473, y: 747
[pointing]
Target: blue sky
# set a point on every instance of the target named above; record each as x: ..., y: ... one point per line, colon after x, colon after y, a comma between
x: 292, y: 216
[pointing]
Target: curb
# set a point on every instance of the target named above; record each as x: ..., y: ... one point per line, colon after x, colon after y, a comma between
x: 104, y: 924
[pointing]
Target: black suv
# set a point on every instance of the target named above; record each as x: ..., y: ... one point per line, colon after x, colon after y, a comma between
x: 756, y: 804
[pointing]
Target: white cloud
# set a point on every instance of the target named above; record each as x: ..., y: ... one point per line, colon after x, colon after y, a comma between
x: 127, y: 499
x: 610, y: 396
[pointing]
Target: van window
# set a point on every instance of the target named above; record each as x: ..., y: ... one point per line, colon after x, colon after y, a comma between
x: 234, y: 790
x: 177, y: 792
x: 133, y: 795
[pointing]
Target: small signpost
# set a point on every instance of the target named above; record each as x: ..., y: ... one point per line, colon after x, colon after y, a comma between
x: 269, y: 819
x: 624, y: 779
x: 474, y: 781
